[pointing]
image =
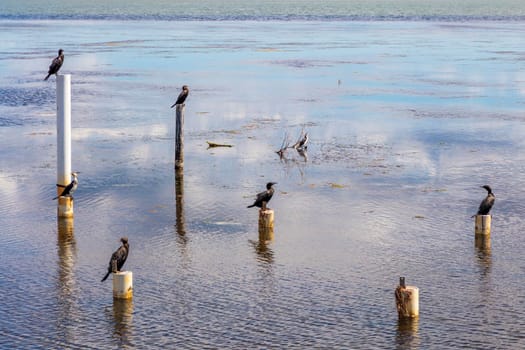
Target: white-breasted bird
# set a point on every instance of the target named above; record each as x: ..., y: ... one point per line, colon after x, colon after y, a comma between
x: 72, y: 187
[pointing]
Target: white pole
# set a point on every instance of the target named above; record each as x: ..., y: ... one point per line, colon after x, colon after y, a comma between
x: 63, y: 131
x: 123, y: 285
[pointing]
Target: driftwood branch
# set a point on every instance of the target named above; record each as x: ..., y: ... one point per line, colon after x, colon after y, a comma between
x: 284, y: 145
x: 214, y: 144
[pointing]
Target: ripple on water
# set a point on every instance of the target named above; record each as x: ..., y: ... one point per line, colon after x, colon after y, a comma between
x: 20, y: 96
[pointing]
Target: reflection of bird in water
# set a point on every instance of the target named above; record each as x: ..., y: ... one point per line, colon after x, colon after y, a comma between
x: 182, y: 96
x: 56, y: 64
x: 264, y: 196
x: 302, y: 153
x: 487, y: 203
x: 69, y: 189
x: 118, y: 258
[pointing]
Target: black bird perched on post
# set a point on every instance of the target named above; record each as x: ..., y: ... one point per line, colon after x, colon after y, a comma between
x: 69, y: 189
x: 118, y: 258
x: 487, y: 203
x: 56, y: 64
x: 264, y: 196
x: 182, y: 96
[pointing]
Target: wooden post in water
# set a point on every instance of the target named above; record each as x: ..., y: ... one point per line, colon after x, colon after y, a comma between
x: 179, y: 136
x: 407, y: 300
x: 123, y: 285
x: 179, y: 202
x: 265, y: 223
x: 482, y: 242
x: 63, y: 92
x: 482, y: 225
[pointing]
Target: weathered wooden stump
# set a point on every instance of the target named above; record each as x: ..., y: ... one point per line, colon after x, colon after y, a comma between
x: 482, y: 242
x: 482, y: 224
x: 266, y: 216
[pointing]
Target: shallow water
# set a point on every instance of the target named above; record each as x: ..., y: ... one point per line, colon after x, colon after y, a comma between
x: 406, y: 121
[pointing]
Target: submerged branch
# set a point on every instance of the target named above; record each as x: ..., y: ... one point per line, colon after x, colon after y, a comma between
x: 213, y: 144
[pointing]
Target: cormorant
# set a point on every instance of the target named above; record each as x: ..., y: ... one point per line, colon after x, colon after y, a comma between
x: 182, y: 96
x: 56, y: 64
x: 69, y: 189
x: 487, y: 203
x: 118, y: 258
x: 302, y: 143
x: 264, y: 196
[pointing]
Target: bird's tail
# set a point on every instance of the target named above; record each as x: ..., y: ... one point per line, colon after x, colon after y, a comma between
x: 106, y: 277
x: 173, y: 105
x: 251, y: 206
x: 55, y: 197
x: 47, y: 77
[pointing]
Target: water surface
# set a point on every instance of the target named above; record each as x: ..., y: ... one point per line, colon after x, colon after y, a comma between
x: 406, y: 120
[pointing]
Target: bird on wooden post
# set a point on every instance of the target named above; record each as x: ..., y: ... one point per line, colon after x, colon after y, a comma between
x: 56, y: 64
x: 487, y: 203
x: 118, y: 258
x: 264, y: 197
x: 69, y: 189
x: 182, y: 96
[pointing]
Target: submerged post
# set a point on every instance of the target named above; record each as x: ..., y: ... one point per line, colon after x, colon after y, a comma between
x: 407, y: 300
x: 179, y: 136
x: 265, y: 223
x: 63, y: 92
x: 123, y: 285
x: 482, y: 225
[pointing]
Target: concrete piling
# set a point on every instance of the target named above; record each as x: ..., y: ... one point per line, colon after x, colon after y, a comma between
x: 123, y: 285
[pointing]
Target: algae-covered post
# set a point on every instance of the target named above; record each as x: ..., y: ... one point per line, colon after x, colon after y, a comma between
x: 407, y: 300
x: 63, y: 92
x: 179, y: 137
